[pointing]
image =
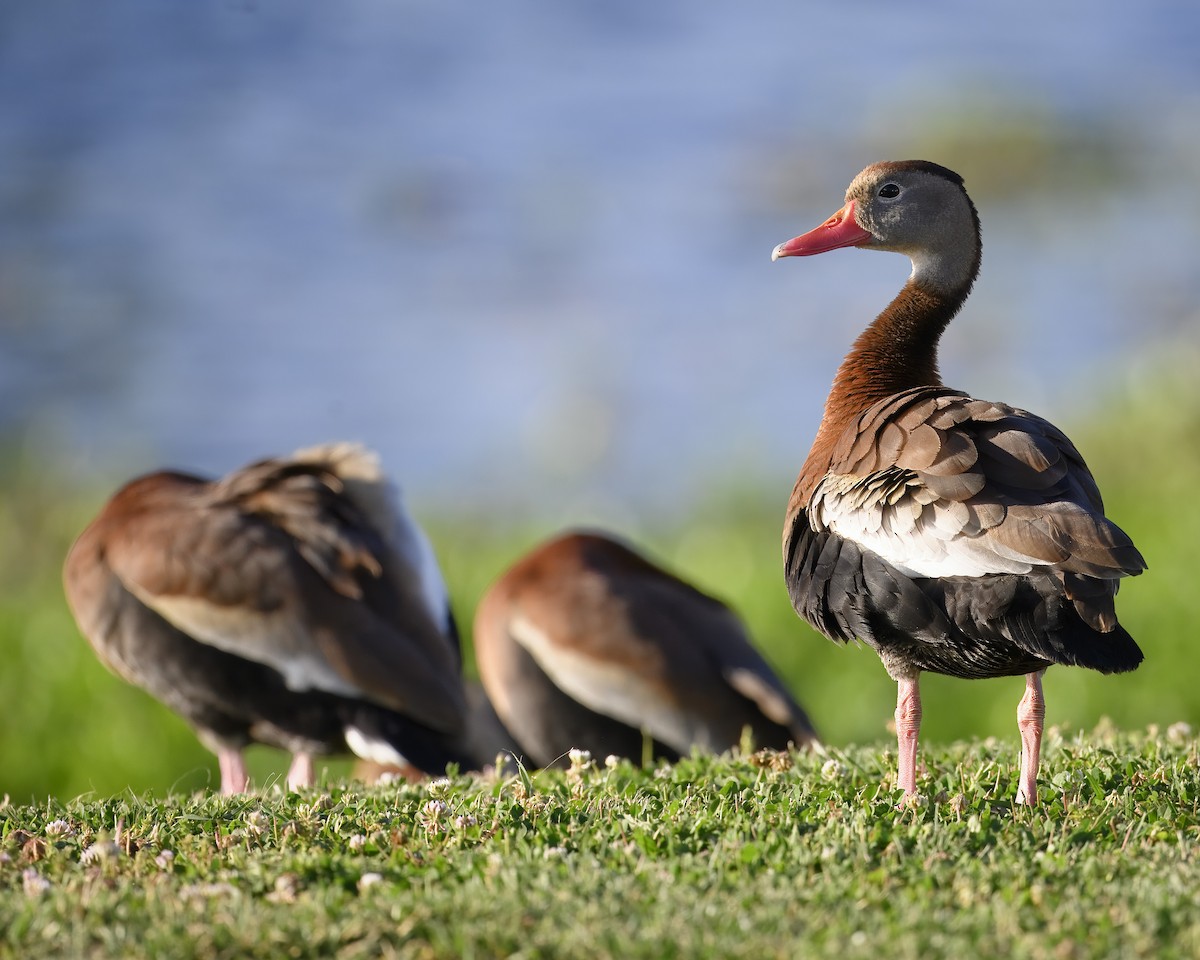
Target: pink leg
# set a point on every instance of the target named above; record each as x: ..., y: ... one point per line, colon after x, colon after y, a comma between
x: 234, y: 777
x: 1031, y: 712
x: 908, y: 726
x: 300, y: 773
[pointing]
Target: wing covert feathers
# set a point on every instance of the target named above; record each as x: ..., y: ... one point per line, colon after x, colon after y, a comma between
x: 936, y: 519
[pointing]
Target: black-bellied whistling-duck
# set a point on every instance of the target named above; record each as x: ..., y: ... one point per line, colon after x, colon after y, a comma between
x: 293, y: 602
x: 585, y: 644
x: 953, y: 535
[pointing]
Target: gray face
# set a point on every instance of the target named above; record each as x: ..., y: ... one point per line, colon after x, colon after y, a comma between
x: 920, y: 214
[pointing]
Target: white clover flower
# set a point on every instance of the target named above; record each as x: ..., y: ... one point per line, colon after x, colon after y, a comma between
x: 34, y: 883
x: 435, y: 808
x: 286, y: 889
x: 357, y: 842
x: 612, y: 761
x: 579, y: 758
x: 833, y: 770
x: 101, y: 850
x: 165, y: 859
x: 464, y: 821
x: 440, y: 785
x: 368, y: 880
x: 914, y: 801
x: 1179, y: 732
x: 58, y: 828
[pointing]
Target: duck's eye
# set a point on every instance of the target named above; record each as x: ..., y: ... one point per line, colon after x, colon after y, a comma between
x: 889, y: 190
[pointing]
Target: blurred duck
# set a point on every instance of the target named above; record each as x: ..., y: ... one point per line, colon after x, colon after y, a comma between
x: 585, y: 644
x: 953, y: 535
x: 485, y: 739
x: 292, y: 603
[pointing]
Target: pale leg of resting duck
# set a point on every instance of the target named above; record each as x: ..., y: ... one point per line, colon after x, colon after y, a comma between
x: 234, y: 777
x: 300, y: 773
x: 1031, y: 712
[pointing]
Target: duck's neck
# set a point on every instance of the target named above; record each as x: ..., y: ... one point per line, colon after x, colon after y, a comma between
x: 897, y: 352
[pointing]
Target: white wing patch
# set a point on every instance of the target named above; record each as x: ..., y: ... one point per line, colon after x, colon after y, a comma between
x: 909, y: 527
x: 753, y: 687
x: 370, y: 748
x: 276, y: 641
x: 606, y: 688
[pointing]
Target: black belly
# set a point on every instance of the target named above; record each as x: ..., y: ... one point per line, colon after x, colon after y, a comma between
x: 996, y: 625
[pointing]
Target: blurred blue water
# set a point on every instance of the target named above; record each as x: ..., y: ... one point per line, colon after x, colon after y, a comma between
x: 523, y: 249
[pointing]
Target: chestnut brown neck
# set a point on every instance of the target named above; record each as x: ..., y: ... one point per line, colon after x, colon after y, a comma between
x: 897, y: 352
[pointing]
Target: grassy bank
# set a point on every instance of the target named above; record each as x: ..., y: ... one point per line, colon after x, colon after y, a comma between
x: 762, y: 856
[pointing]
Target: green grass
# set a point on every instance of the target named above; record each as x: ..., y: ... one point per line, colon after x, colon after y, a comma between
x: 761, y: 856
x: 752, y: 857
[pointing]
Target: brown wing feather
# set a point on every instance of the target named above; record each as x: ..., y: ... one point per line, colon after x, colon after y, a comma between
x: 1001, y: 478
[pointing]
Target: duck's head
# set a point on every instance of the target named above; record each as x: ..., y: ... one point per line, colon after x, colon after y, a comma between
x: 912, y: 207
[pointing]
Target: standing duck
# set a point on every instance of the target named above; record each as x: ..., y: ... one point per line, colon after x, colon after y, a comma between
x: 584, y: 643
x: 953, y: 535
x: 293, y: 603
